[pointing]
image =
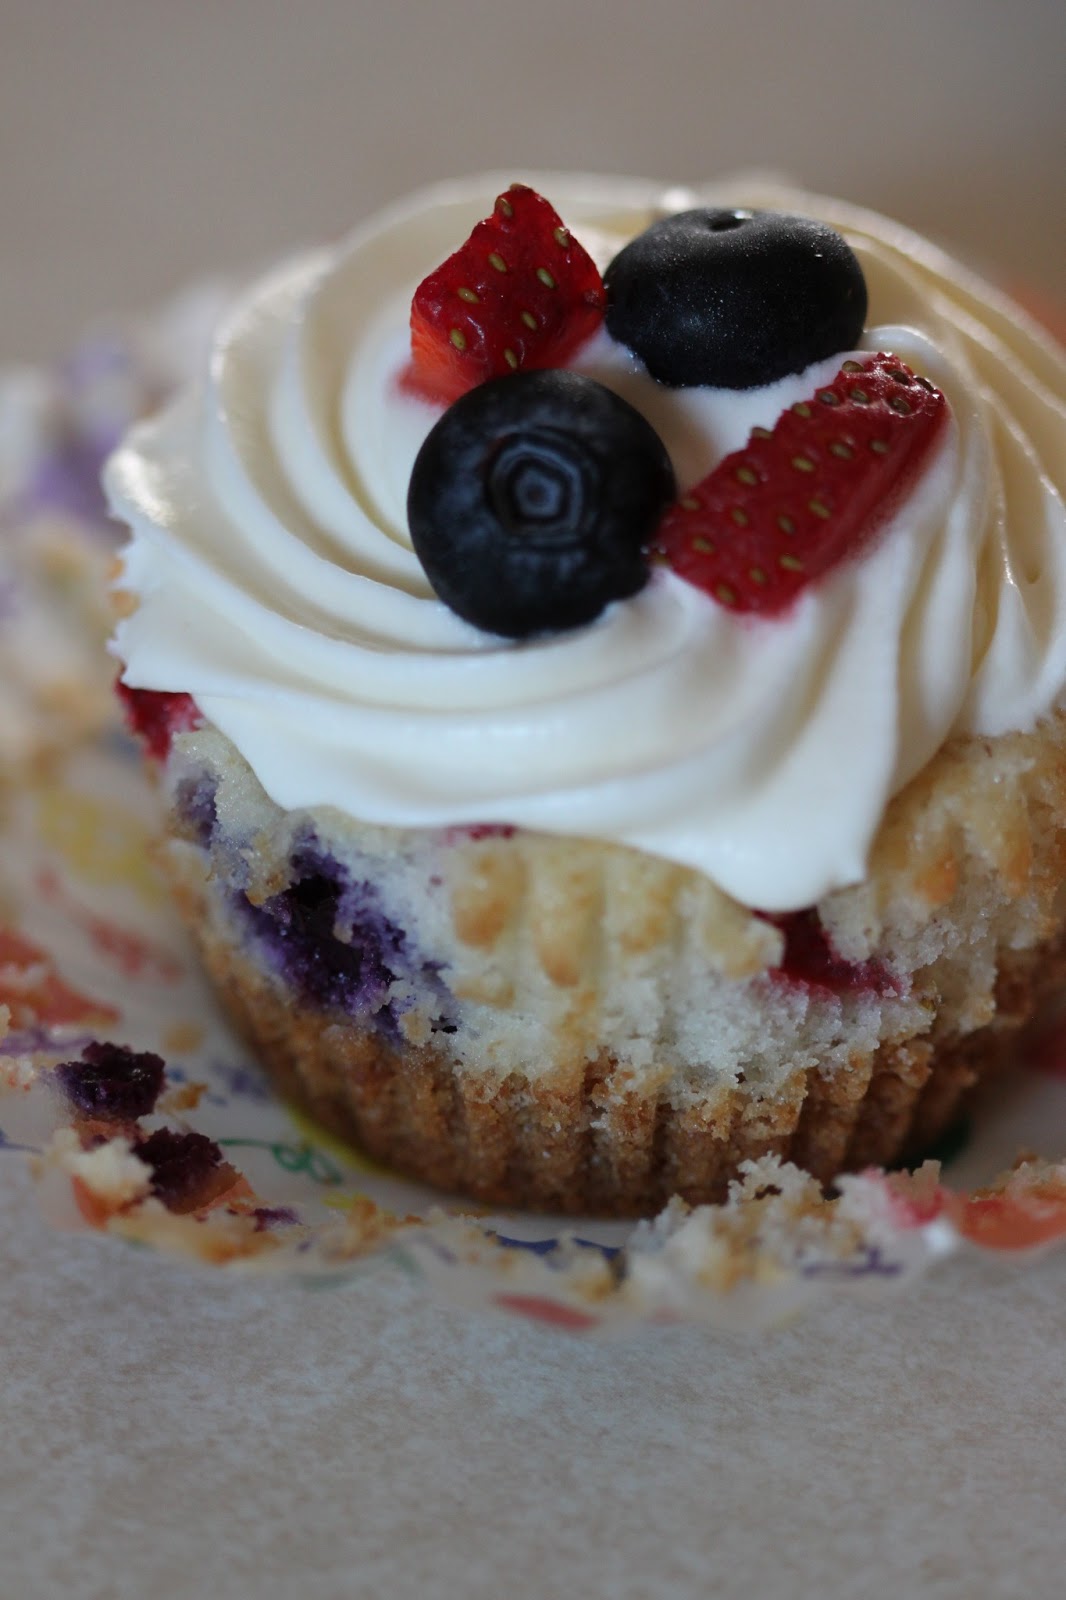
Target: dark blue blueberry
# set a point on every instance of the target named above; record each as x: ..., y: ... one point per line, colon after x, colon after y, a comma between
x: 297, y: 932
x: 734, y: 299
x: 299, y: 928
x: 533, y: 500
x: 195, y: 806
x: 112, y: 1081
x: 183, y: 1165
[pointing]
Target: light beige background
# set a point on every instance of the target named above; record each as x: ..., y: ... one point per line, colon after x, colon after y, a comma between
x: 166, y: 1435
x: 142, y: 141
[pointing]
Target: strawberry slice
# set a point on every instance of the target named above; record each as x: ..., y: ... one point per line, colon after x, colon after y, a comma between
x: 520, y: 294
x: 773, y: 517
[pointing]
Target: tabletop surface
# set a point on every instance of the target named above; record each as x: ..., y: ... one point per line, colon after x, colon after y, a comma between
x: 177, y: 1434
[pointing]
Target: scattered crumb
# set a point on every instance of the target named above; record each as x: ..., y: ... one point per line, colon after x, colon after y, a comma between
x: 111, y: 1173
x: 181, y: 1097
x: 16, y: 1072
x: 776, y: 1215
x: 365, y: 1226
x: 216, y: 1237
x: 1023, y: 1209
x: 183, y: 1038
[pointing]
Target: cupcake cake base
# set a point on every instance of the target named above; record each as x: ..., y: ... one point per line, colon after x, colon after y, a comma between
x: 416, y: 993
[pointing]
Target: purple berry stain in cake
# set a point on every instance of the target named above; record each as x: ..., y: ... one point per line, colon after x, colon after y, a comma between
x: 274, y: 1217
x: 330, y: 940
x: 112, y: 1082
x: 188, y: 1169
x: 196, y: 805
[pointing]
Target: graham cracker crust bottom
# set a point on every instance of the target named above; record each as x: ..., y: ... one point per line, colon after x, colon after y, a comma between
x: 572, y: 1142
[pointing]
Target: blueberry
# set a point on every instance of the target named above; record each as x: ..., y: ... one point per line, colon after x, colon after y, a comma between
x: 112, y: 1081
x: 734, y: 299
x: 533, y: 499
x: 297, y: 927
x: 296, y: 932
x: 184, y: 1166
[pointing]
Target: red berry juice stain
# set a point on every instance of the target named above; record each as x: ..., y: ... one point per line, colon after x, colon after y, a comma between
x: 156, y: 715
x: 479, y: 830
x: 810, y: 961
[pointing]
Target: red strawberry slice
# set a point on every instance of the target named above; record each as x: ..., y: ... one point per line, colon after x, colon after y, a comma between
x: 773, y: 517
x: 520, y: 294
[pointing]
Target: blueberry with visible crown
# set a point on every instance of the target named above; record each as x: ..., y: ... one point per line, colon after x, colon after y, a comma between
x: 734, y: 299
x: 533, y: 500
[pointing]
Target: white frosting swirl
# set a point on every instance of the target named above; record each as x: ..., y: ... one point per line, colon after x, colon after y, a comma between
x: 277, y: 584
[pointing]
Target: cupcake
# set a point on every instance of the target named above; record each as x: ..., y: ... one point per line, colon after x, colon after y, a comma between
x: 603, y: 649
